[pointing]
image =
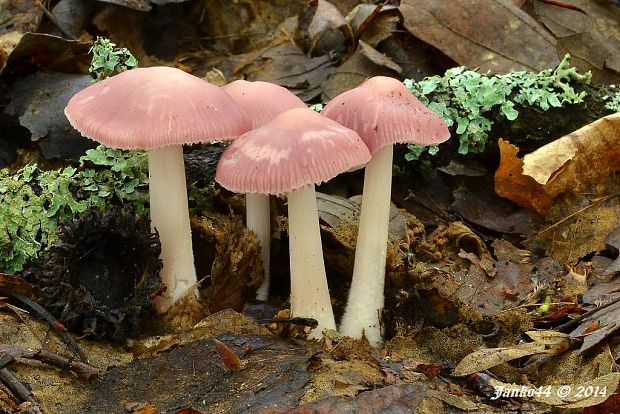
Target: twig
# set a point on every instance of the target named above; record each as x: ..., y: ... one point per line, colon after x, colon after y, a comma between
x: 570, y: 325
x: 15, y: 386
x: 594, y: 203
x: 55, y: 323
x: 53, y: 19
x: 533, y: 305
x: 83, y: 370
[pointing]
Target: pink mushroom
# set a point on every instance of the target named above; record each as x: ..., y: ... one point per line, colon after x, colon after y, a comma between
x: 261, y: 101
x: 159, y: 109
x: 289, y: 155
x: 383, y: 112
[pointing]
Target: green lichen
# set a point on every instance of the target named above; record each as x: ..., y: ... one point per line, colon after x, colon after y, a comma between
x: 109, y: 60
x: 466, y: 99
x: 316, y: 107
x: 33, y: 201
x: 612, y: 102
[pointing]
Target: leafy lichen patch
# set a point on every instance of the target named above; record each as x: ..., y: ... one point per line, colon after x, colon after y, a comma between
x: 465, y: 99
x: 33, y: 202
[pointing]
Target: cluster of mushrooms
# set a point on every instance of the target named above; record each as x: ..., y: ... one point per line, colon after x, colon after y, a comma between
x: 279, y: 147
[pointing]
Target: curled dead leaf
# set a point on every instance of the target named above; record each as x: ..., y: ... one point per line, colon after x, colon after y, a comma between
x: 566, y: 165
x: 487, y: 358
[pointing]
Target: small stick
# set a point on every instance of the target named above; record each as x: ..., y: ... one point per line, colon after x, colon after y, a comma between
x: 55, y: 323
x: 83, y: 370
x: 570, y: 325
x: 15, y: 386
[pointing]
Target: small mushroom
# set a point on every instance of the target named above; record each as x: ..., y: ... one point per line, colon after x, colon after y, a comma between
x: 261, y: 101
x: 383, y: 112
x: 289, y: 155
x: 159, y: 109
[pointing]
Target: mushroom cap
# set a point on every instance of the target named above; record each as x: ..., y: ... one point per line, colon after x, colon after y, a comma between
x: 296, y: 148
x: 262, y: 101
x: 383, y: 111
x: 154, y: 107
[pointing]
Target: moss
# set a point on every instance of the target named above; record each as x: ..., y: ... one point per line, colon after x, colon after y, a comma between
x: 468, y: 100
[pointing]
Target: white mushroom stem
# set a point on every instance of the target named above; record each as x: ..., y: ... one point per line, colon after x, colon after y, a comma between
x: 258, y: 220
x: 365, y: 302
x: 170, y: 217
x: 309, y: 291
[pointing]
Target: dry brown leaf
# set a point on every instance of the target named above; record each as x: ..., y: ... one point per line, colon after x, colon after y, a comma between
x: 287, y: 65
x: 548, y: 337
x: 511, y: 183
x: 598, y: 326
x: 16, y: 18
x: 230, y: 360
x: 566, y: 165
x: 327, y: 32
x: 567, y: 174
x: 581, y: 157
x: 393, y: 398
x: 495, y: 36
x: 458, y: 402
x: 568, y: 395
x: 487, y: 358
x: 365, y: 62
x: 591, y: 35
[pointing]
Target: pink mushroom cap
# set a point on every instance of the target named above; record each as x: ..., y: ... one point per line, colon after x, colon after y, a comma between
x: 262, y: 101
x: 296, y: 148
x: 155, y: 107
x: 383, y: 111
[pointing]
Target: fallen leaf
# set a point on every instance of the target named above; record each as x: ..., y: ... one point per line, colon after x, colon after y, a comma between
x: 16, y: 18
x: 430, y: 370
x: 606, y: 321
x: 488, y: 35
x: 37, y: 100
x: 488, y: 358
x: 230, y: 360
x: 594, y: 326
x: 37, y: 51
x: 486, y: 209
x: 393, y: 398
x: 613, y: 240
x: 567, y: 165
x: 124, y: 26
x: 323, y: 30
x: 365, y: 62
x: 72, y: 16
x: 548, y: 337
x: 511, y: 183
x: 610, y: 405
x: 286, y: 65
x: 568, y: 395
x: 589, y: 34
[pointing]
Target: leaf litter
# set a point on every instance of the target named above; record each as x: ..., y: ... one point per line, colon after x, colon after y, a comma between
x: 468, y: 275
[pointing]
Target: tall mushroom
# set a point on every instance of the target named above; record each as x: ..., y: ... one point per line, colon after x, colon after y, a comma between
x: 261, y: 101
x: 289, y: 155
x: 159, y: 109
x: 383, y: 112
